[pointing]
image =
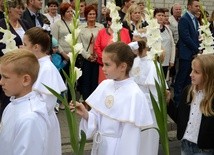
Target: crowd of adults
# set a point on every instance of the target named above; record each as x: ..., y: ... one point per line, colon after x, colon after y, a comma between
x: 180, y: 37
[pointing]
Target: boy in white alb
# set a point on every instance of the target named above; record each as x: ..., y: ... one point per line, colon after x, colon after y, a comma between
x: 25, y: 121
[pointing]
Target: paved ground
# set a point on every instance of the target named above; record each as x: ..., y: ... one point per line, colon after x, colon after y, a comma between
x: 66, y: 148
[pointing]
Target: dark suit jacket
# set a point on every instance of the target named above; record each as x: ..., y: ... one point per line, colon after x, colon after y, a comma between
x: 41, y: 18
x: 212, y: 28
x: 188, y: 38
x: 18, y: 40
x: 181, y: 114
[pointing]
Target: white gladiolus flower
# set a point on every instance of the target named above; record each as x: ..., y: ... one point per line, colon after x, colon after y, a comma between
x: 115, y: 37
x: 78, y: 48
x: 206, y: 38
x: 77, y: 32
x: 7, y: 36
x: 8, y: 40
x: 68, y: 39
x: 71, y: 25
x: 116, y: 25
x: 78, y: 72
x: 11, y: 45
x: 153, y: 35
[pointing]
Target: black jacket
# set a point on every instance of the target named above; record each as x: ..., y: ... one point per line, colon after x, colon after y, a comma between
x: 31, y: 20
x: 181, y: 114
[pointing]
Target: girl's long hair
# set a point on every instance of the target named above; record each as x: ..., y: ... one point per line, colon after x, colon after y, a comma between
x: 207, y: 65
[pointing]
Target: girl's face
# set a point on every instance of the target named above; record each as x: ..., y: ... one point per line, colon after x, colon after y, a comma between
x: 196, y: 75
x: 68, y: 14
x: 136, y: 15
x: 111, y: 70
x: 27, y: 44
x: 160, y: 18
x: 91, y: 16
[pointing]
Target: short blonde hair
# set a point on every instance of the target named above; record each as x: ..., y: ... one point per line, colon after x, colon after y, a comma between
x: 24, y: 62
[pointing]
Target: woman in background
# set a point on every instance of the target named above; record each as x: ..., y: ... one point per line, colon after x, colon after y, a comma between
x: 167, y: 42
x: 104, y: 38
x: 89, y: 79
x: 60, y: 29
x: 133, y: 20
x: 52, y: 14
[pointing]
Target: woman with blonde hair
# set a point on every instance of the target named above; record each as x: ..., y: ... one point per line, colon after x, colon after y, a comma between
x: 133, y: 20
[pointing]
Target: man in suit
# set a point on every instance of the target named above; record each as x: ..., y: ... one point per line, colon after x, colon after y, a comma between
x: 188, y: 45
x: 32, y: 14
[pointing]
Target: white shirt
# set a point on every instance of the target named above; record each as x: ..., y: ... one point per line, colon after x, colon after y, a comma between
x: 20, y: 31
x: 24, y: 127
x: 52, y: 19
x: 193, y: 126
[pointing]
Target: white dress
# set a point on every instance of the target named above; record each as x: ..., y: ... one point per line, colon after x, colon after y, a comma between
x: 49, y: 75
x: 24, y: 126
x: 119, y: 110
x: 144, y: 72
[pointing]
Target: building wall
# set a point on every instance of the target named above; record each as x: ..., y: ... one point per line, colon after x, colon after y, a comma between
x: 209, y: 4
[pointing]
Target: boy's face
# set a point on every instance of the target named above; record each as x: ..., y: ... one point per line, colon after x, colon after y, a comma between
x: 12, y: 83
x: 110, y: 68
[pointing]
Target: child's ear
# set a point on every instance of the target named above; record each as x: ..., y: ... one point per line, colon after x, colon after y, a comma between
x: 26, y: 80
x: 36, y: 46
x: 123, y: 66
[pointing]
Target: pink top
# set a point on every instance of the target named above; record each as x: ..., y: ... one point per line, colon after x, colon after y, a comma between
x: 104, y: 38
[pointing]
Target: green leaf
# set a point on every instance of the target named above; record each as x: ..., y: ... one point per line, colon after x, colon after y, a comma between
x: 82, y: 143
x: 160, y: 109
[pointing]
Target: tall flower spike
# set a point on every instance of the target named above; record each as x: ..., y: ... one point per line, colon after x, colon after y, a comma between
x: 206, y: 38
x: 159, y: 104
x: 8, y: 37
x: 116, y: 25
x: 77, y: 140
x: 152, y: 33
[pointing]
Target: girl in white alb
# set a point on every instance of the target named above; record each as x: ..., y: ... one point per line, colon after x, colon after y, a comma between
x: 119, y: 107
